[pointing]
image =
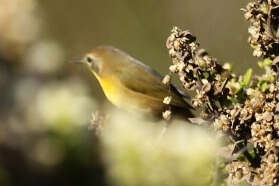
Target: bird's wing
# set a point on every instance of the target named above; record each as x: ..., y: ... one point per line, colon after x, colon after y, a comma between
x: 148, y: 82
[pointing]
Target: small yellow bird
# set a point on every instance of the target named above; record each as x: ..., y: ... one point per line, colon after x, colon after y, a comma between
x: 132, y: 85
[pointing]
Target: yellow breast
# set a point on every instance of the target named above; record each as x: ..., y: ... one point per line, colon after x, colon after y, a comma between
x: 111, y: 89
x: 122, y: 97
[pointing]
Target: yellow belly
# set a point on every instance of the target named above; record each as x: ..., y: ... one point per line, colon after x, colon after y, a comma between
x: 127, y: 99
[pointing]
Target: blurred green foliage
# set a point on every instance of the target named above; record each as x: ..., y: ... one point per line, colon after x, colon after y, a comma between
x: 136, y: 155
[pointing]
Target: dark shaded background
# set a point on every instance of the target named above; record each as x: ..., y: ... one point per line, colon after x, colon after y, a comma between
x: 46, y: 102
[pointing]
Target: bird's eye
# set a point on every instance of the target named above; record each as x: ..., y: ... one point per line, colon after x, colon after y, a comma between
x: 89, y: 59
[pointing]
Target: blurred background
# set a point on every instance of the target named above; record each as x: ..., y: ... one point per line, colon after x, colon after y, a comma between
x: 46, y: 102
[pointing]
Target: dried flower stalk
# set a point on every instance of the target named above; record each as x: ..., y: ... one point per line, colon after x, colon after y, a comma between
x: 244, y: 107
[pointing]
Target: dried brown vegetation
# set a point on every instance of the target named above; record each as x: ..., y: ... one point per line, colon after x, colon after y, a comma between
x: 243, y: 108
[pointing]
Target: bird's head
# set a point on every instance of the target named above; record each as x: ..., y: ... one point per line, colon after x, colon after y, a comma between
x: 105, y: 60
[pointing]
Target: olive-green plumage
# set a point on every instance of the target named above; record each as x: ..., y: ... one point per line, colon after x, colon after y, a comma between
x: 132, y: 85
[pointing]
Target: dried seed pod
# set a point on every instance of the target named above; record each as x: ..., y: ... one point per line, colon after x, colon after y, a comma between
x: 167, y: 100
x: 173, y: 68
x: 167, y: 115
x: 268, y: 116
x: 166, y: 80
x: 206, y: 87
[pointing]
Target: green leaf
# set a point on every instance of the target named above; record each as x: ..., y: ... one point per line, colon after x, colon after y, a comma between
x: 267, y: 62
x: 261, y: 64
x: 270, y: 78
x: 264, y: 86
x: 247, y: 77
x: 206, y: 75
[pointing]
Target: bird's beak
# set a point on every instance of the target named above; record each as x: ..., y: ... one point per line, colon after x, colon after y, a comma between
x: 77, y: 61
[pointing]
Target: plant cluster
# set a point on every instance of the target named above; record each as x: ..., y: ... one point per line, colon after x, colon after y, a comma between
x: 245, y: 108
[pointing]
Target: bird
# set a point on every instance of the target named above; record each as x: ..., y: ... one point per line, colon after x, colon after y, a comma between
x: 132, y: 85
